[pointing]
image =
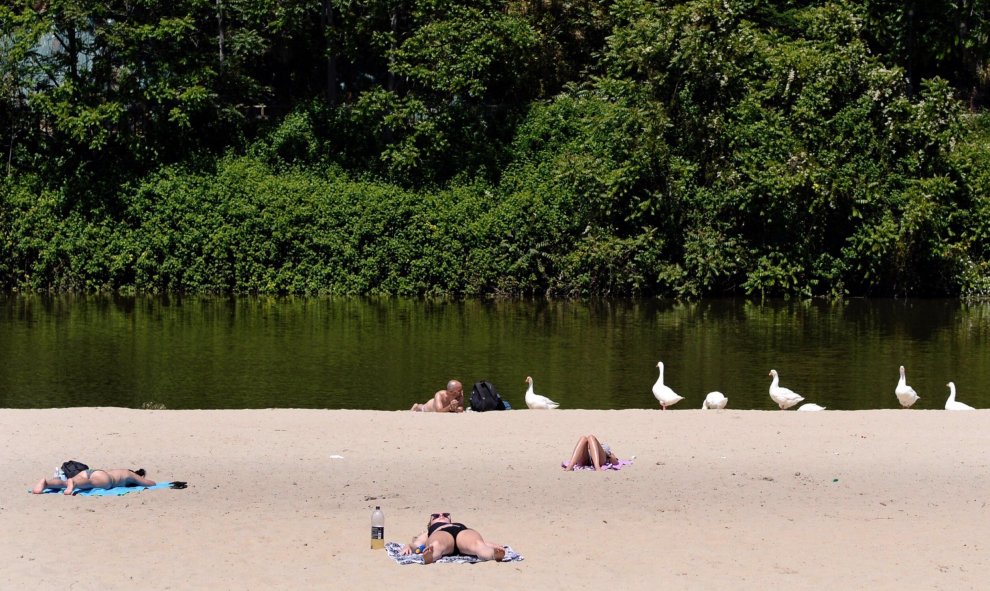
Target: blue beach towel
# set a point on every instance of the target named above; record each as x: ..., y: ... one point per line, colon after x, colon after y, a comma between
x: 109, y: 492
x: 394, y: 549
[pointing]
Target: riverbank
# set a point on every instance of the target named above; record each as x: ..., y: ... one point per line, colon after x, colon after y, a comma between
x: 279, y: 499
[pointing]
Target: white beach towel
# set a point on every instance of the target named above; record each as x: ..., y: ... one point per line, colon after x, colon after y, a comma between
x: 394, y: 549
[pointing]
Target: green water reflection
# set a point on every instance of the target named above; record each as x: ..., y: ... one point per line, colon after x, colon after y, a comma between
x: 384, y: 354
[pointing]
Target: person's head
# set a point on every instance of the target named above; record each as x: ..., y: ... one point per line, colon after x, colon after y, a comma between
x: 610, y: 458
x: 439, y: 516
x: 455, y: 389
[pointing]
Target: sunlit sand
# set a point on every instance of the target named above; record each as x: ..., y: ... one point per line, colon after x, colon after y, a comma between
x: 280, y: 499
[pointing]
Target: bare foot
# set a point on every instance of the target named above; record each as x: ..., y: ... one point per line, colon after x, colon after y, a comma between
x: 70, y: 487
x: 40, y: 487
x: 428, y: 555
x: 499, y: 554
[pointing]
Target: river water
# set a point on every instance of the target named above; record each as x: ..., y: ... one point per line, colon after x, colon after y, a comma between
x: 251, y: 352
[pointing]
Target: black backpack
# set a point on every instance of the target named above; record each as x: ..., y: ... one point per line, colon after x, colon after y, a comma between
x: 72, y: 467
x: 485, y: 397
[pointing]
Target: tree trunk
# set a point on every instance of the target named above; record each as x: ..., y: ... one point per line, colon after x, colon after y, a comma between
x: 220, y: 30
x: 395, y: 33
x: 331, y: 89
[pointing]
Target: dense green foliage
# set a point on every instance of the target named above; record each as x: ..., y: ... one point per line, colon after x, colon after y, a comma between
x: 623, y: 147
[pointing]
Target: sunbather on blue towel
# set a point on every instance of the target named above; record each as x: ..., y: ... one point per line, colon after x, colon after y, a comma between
x: 95, y: 478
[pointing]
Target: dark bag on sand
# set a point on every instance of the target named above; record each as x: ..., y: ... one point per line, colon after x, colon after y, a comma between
x: 485, y: 397
x: 72, y: 467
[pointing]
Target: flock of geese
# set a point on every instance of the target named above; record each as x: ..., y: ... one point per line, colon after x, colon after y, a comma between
x: 784, y: 397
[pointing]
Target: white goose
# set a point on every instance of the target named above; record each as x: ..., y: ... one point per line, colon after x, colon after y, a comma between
x: 537, y: 402
x: 664, y: 395
x: 784, y: 397
x: 952, y: 403
x: 811, y: 406
x: 905, y: 394
x: 714, y: 400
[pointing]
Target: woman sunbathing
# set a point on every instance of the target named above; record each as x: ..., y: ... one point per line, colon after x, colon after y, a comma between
x: 95, y: 478
x: 591, y: 452
x: 445, y: 538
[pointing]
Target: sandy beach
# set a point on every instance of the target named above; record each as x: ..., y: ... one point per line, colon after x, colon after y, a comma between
x: 885, y: 499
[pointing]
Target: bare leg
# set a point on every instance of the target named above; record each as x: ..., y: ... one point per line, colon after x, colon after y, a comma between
x: 78, y: 482
x: 580, y: 455
x: 438, y: 403
x: 99, y: 479
x: 438, y: 545
x: 596, y: 451
x: 47, y: 483
x: 471, y: 542
x: 428, y: 406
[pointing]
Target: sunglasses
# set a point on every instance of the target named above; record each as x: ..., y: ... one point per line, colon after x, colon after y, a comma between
x: 438, y: 515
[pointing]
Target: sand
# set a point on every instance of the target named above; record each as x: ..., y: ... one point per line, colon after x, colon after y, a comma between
x: 887, y: 499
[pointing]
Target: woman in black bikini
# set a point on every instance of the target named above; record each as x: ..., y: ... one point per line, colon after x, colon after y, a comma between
x: 444, y: 538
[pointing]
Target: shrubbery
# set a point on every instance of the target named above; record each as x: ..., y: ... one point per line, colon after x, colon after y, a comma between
x: 624, y: 148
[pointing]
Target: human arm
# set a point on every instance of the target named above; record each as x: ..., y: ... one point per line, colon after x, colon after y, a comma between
x: 80, y: 481
x: 140, y: 480
x: 416, y: 543
x: 456, y: 405
x: 436, y: 404
x: 447, y: 402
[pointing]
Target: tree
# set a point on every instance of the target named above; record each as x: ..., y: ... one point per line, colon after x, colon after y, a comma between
x: 945, y: 38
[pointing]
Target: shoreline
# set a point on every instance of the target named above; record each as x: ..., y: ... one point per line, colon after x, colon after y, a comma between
x: 889, y: 499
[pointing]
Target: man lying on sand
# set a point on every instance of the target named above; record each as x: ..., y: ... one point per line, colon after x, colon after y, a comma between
x: 450, y: 399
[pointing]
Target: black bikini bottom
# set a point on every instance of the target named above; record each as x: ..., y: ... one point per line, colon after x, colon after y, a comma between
x: 453, y: 529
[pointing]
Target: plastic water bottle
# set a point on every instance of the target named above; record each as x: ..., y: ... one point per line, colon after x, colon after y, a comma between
x: 377, y: 529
